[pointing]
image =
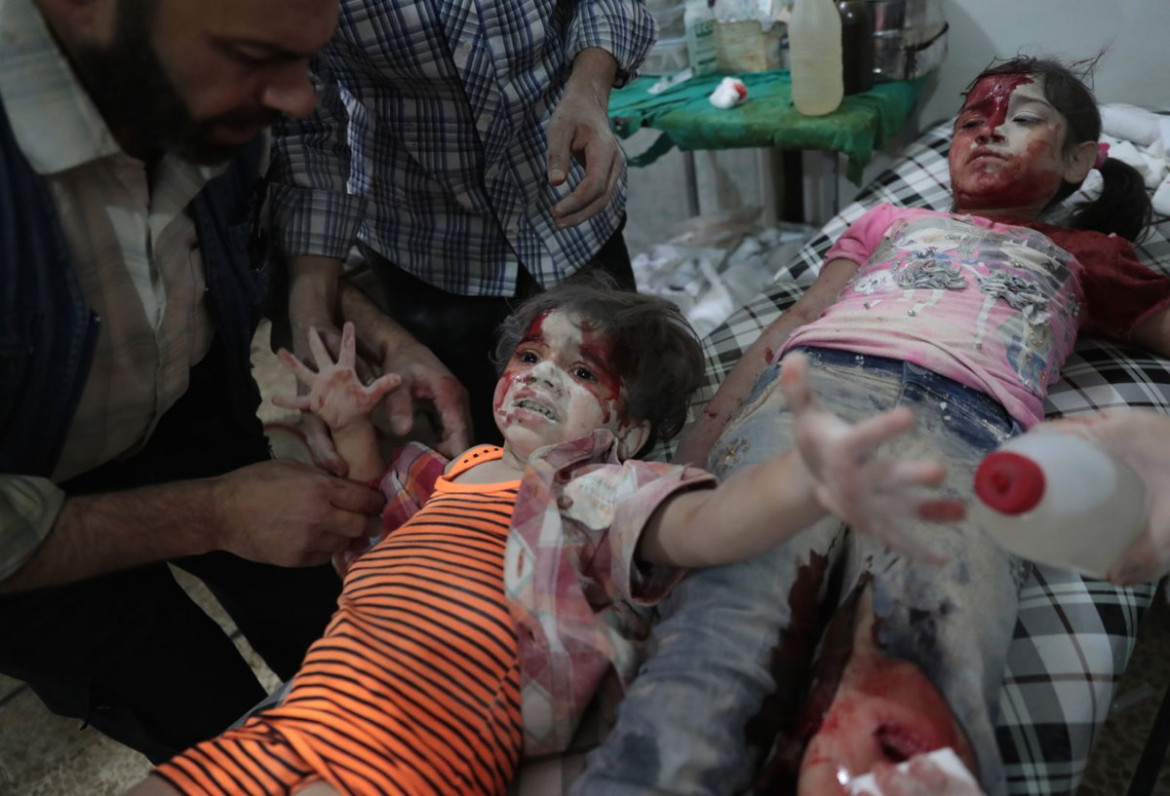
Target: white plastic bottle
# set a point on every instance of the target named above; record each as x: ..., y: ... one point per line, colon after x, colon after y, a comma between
x: 1059, y: 499
x: 699, y: 21
x: 814, y: 47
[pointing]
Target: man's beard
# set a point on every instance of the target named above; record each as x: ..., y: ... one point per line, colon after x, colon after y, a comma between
x: 138, y: 100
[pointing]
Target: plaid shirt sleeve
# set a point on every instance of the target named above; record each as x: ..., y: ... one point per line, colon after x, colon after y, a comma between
x: 312, y: 210
x: 644, y: 486
x: 623, y: 28
x: 28, y: 509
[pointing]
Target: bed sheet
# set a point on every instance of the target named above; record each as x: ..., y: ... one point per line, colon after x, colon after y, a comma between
x: 1074, y: 635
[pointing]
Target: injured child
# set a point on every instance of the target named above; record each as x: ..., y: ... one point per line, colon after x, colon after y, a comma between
x: 965, y: 317
x: 479, y: 629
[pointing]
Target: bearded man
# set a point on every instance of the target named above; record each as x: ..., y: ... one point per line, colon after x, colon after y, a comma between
x: 130, y: 285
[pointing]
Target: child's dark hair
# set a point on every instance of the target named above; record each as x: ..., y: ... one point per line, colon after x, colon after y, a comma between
x: 1123, y: 206
x: 657, y: 354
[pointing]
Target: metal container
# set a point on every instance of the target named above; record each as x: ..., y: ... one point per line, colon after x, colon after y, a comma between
x: 910, y: 38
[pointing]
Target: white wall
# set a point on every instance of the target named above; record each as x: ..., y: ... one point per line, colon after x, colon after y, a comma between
x: 1135, y: 34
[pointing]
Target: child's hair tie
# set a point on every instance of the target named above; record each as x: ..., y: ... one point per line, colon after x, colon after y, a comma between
x: 1102, y: 155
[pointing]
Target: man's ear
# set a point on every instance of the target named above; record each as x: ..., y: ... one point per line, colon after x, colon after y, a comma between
x: 1079, y: 161
x: 631, y: 438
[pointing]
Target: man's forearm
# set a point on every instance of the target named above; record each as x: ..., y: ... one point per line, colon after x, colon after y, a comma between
x: 594, y: 73
x: 313, y: 289
x: 100, y: 533
x: 375, y: 330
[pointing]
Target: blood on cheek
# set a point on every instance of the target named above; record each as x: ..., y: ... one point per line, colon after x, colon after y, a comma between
x: 1033, y: 176
x: 508, y: 379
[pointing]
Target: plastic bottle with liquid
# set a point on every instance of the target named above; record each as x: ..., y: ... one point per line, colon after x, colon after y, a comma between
x: 1059, y: 499
x: 814, y: 47
x: 699, y: 22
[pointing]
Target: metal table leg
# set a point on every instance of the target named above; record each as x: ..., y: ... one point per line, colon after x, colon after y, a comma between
x: 692, y: 183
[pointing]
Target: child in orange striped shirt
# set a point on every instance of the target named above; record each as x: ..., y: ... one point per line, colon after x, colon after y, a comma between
x: 480, y: 629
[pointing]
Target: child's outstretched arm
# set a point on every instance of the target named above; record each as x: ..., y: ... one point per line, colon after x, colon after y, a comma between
x: 698, y: 440
x: 835, y: 470
x: 339, y: 398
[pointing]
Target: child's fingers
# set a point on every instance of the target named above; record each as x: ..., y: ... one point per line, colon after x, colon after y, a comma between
x: 384, y: 385
x: 911, y: 473
x: 299, y: 402
x: 299, y: 369
x: 866, y: 435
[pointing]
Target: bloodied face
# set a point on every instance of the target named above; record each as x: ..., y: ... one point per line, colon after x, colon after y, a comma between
x: 560, y: 384
x: 1007, y: 155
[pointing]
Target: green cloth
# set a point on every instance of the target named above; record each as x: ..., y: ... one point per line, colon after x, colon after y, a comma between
x: 768, y: 119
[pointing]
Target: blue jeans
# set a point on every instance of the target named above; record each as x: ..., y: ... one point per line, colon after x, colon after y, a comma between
x: 707, y: 703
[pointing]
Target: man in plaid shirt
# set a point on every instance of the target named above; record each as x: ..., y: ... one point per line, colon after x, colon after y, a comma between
x: 465, y: 148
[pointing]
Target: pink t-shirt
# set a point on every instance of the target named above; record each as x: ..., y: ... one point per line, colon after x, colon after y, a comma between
x: 995, y: 306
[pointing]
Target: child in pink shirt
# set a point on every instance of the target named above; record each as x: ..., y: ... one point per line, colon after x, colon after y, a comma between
x: 966, y: 317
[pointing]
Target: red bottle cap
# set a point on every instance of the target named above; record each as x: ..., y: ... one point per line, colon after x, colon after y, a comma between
x: 1009, y: 483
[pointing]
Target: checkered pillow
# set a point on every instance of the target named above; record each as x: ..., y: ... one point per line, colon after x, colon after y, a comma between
x: 1074, y: 635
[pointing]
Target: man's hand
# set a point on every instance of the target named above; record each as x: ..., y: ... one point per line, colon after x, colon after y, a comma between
x: 277, y: 512
x: 875, y: 495
x: 288, y: 513
x: 336, y: 395
x: 1141, y: 439
x: 579, y: 129
x: 424, y: 378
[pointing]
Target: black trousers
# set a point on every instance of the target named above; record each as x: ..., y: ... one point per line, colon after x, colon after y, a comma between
x: 129, y: 653
x: 461, y: 330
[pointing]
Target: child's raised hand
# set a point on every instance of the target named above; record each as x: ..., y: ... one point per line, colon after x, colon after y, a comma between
x: 336, y: 394
x: 876, y: 495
